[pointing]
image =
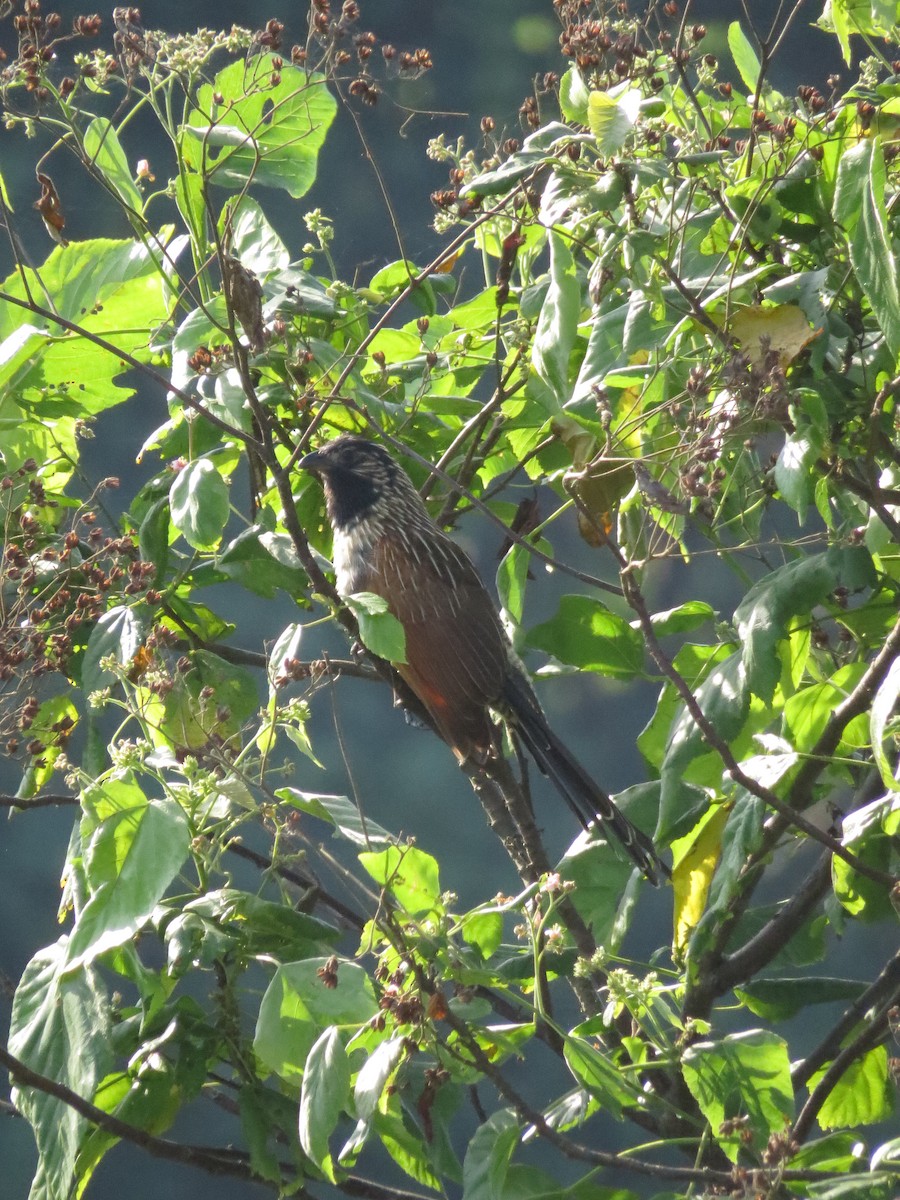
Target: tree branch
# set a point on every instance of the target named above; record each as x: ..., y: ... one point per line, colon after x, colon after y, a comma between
x: 218, y: 1161
x: 790, y: 815
x: 867, y: 1039
x: 883, y: 993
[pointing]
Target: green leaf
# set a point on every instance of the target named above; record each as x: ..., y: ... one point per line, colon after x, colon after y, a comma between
x: 339, y: 812
x: 153, y: 536
x: 323, y: 1094
x: 114, y: 289
x: 601, y: 879
x: 484, y: 931
x: 859, y: 206
x: 410, y: 874
x: 724, y: 700
x: 763, y: 615
x: 744, y: 1077
x: 794, y: 474
x: 683, y: 619
x: 263, y: 925
x: 135, y: 849
x: 44, y: 728
x: 502, y: 178
x: 745, y: 58
x: 809, y: 710
x: 298, y: 1004
x: 488, y: 1156
x: 869, y: 832
x: 253, y: 240
x: 375, y: 1074
x: 264, y: 1115
x: 102, y: 146
x: 286, y: 649
x: 557, y: 324
x: 408, y: 1150
x: 60, y: 1028
x: 862, y: 1095
x: 512, y: 577
x: 118, y: 634
x: 873, y: 18
x: 199, y: 504
x: 594, y: 1071
x: 263, y: 562
x: 779, y: 999
x: 586, y: 634
x: 611, y: 117
x: 379, y: 629
x: 884, y: 705
x: 573, y: 96
x: 260, y: 133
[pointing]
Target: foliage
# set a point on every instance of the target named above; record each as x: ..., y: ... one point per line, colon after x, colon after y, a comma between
x: 687, y: 332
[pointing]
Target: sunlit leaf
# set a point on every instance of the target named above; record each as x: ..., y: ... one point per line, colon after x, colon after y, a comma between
x: 744, y: 1079
x: 323, y: 1094
x: 862, y: 1095
x: 408, y: 873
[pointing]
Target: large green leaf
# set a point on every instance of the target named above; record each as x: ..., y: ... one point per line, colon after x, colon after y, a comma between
x: 778, y: 999
x: 557, y: 325
x: 300, y: 1002
x: 103, y: 148
x: 135, y: 847
x: 379, y: 629
x: 595, y: 1072
x: 117, y: 290
x: 745, y: 1078
x: 860, y: 207
x: 258, y: 124
x: 488, y: 1156
x: 60, y: 1027
x: 199, y: 504
x: 762, y: 616
x: 408, y: 873
x: 745, y: 57
x: 323, y: 1094
x: 586, y: 634
x: 118, y: 634
x: 862, y: 1095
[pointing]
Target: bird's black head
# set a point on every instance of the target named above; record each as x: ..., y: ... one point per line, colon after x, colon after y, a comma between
x: 358, y: 477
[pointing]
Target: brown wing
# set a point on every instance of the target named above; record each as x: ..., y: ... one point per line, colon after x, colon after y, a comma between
x: 456, y: 650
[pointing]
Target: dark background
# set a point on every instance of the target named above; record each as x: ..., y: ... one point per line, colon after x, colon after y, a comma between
x: 485, y: 52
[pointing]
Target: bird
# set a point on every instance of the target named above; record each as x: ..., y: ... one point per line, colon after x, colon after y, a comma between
x: 460, y: 663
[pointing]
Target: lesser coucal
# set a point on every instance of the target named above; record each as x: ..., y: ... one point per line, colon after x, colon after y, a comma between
x: 459, y: 662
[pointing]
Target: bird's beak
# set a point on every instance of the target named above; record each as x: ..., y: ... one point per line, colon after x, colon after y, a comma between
x: 311, y: 462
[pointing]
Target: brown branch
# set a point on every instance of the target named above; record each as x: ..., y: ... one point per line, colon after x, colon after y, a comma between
x: 45, y: 801
x: 883, y: 993
x: 857, y: 702
x: 218, y: 1161
x: 790, y: 815
x: 589, y: 1154
x: 870, y: 1036
x: 215, y: 1160
x: 715, y: 978
x: 265, y: 863
x: 168, y: 387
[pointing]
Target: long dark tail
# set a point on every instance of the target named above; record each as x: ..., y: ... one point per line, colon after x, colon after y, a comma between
x: 586, y: 799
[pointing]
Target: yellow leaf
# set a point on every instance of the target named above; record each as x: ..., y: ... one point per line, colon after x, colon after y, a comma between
x: 784, y: 329
x: 696, y: 857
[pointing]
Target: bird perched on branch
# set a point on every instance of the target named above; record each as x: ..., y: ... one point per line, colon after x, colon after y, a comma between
x: 459, y: 661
